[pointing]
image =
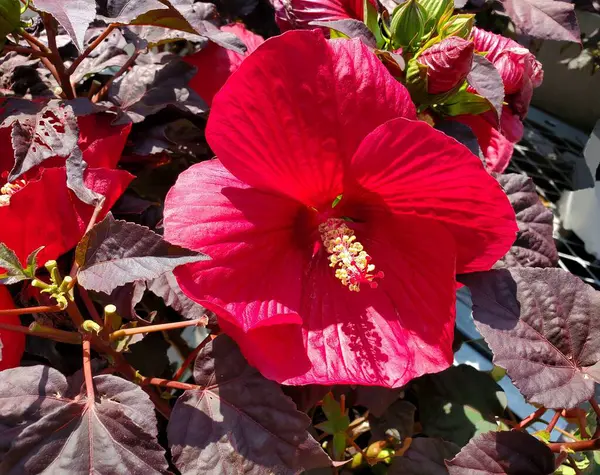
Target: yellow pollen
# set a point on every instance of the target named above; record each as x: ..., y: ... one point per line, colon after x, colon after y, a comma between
x: 348, y: 257
x: 10, y: 189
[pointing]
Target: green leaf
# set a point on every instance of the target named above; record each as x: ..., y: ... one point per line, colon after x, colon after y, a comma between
x: 14, y: 271
x: 372, y: 21
x: 436, y: 10
x: 464, y: 102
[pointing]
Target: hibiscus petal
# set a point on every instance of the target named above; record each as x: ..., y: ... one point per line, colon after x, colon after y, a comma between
x: 295, y: 112
x: 496, y: 148
x: 385, y: 336
x: 215, y: 63
x: 46, y: 213
x: 297, y: 14
x: 420, y: 171
x: 101, y: 143
x: 256, y: 265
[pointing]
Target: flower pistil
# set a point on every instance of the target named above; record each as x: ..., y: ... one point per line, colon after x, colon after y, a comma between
x: 347, y: 255
x: 10, y: 189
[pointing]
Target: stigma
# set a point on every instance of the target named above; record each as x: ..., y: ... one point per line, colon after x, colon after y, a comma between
x: 351, y: 262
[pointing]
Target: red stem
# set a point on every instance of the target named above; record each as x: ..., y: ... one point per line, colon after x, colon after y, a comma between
x: 120, y: 72
x: 553, y: 422
x: 595, y: 407
x: 90, y: 48
x: 192, y: 357
x: 530, y: 419
x: 579, y: 446
x: 55, y: 58
x: 87, y: 370
x: 25, y: 50
x: 48, y: 333
x: 154, y: 328
x: 33, y: 41
x: 167, y: 383
x: 90, y: 225
x: 23, y: 311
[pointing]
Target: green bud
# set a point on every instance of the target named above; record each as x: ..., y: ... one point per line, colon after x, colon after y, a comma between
x: 357, y: 460
x: 408, y: 25
x: 91, y: 326
x: 436, y: 10
x: 458, y: 25
x: 10, y: 16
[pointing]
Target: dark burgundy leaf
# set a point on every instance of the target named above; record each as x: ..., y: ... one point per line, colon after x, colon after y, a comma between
x: 239, y: 422
x: 376, y: 399
x: 73, y: 15
x: 534, y: 246
x: 459, y: 403
x: 125, y: 11
x: 167, y: 288
x: 53, y: 132
x: 149, y: 88
x: 461, y: 133
x: 49, y: 427
x: 545, y: 19
x: 425, y: 456
x: 197, y: 15
x: 106, y: 58
x: 486, y: 80
x: 149, y: 355
x: 399, y: 418
x: 114, y: 253
x: 542, y: 327
x: 351, y: 28
x: 306, y: 397
x: 503, y: 453
x: 75, y: 167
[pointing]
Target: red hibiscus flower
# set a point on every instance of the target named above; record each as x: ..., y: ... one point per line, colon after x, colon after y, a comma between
x: 39, y: 209
x: 215, y: 64
x: 12, y: 344
x: 335, y: 221
x: 297, y: 14
x: 520, y: 73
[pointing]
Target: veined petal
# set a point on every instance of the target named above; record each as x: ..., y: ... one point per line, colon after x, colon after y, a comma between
x: 297, y: 14
x: 46, y: 213
x: 417, y: 170
x: 496, y: 148
x: 215, y: 64
x: 384, y: 336
x: 101, y: 143
x: 293, y: 114
x: 256, y: 267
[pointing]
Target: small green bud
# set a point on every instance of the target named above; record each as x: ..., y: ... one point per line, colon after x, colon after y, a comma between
x: 357, y: 460
x: 458, y: 25
x: 10, y: 16
x: 91, y: 326
x: 408, y: 25
x: 39, y: 284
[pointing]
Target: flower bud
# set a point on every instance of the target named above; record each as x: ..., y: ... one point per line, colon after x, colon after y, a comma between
x: 448, y: 64
x: 408, y: 25
x: 458, y: 25
x: 10, y: 16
